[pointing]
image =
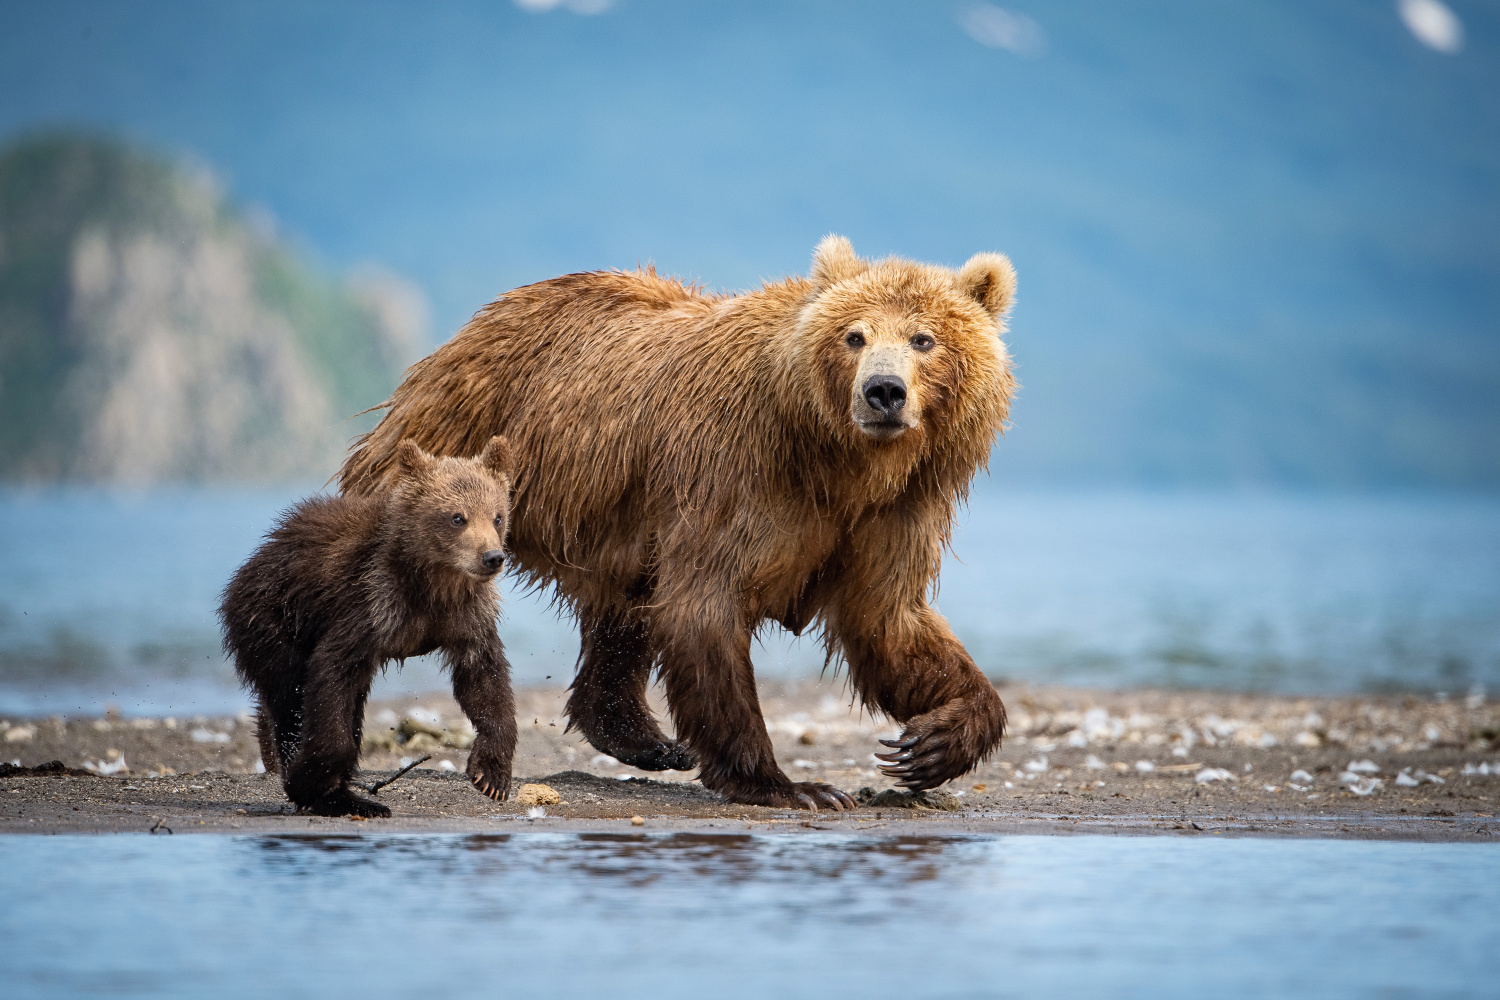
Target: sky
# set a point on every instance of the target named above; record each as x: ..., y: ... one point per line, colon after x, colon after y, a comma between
x: 1258, y: 244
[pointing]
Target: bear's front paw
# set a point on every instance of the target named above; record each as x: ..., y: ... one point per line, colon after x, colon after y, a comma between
x: 943, y: 744
x: 490, y: 773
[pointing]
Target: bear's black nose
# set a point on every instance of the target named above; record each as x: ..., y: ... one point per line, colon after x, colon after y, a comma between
x: 886, y: 394
x: 493, y: 560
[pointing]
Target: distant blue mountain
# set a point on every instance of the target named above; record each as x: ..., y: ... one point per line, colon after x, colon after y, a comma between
x: 1257, y: 243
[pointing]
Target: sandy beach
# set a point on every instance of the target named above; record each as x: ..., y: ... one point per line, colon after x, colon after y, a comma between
x: 1188, y: 763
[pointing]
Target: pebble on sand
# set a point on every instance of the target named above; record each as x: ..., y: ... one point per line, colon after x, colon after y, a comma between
x: 537, y: 795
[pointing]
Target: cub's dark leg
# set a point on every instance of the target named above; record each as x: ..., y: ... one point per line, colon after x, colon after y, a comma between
x: 608, y: 703
x: 279, y: 720
x: 265, y: 734
x: 327, y: 755
x: 481, y: 684
x: 711, y: 689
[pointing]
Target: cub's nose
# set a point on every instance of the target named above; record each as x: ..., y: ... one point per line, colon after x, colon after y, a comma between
x: 886, y: 394
x: 493, y: 560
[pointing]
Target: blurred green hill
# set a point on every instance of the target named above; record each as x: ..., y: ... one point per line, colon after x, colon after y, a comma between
x: 150, y: 331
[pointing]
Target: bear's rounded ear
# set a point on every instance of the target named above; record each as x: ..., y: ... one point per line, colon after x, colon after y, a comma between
x: 498, y: 458
x: 990, y: 280
x: 835, y: 260
x: 411, y: 459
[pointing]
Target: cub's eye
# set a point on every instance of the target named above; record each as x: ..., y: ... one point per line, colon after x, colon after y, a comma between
x: 922, y: 342
x: 460, y: 520
x: 499, y: 520
x: 855, y: 339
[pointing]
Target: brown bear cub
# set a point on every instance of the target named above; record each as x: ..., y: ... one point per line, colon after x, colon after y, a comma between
x: 345, y: 584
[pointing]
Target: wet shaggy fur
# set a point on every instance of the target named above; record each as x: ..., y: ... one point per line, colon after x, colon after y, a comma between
x: 345, y: 584
x: 693, y: 466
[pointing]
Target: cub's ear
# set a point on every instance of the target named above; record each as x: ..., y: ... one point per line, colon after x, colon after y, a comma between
x: 990, y: 280
x: 498, y: 458
x: 411, y: 460
x: 835, y: 260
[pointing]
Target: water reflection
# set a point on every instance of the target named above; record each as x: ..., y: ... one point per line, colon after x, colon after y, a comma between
x: 624, y: 859
x: 803, y: 914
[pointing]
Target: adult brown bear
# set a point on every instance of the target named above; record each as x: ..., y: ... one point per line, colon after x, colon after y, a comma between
x: 691, y: 466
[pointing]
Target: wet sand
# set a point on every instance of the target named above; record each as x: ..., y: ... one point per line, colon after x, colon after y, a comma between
x: 1076, y: 761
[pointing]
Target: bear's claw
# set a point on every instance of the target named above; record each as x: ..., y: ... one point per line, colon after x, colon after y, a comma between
x: 809, y: 795
x: 920, y: 763
x: 496, y: 791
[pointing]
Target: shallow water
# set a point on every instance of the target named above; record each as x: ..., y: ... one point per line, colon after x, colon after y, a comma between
x: 109, y: 598
x: 690, y: 915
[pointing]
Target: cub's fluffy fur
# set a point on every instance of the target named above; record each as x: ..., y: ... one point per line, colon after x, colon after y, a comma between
x: 695, y: 465
x: 345, y: 584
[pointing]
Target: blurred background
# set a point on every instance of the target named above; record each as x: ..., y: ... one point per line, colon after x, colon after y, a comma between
x: 1258, y: 330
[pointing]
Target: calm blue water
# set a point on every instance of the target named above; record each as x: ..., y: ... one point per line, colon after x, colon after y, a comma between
x: 745, y: 916
x: 110, y: 598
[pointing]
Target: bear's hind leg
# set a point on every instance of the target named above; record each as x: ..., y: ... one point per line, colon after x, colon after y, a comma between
x: 265, y: 734
x: 327, y: 756
x: 608, y: 703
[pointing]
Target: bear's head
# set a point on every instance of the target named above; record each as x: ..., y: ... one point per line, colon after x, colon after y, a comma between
x: 901, y: 350
x: 453, y: 513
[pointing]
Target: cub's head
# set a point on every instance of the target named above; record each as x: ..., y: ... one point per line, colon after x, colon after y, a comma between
x: 454, y: 512
x: 898, y: 349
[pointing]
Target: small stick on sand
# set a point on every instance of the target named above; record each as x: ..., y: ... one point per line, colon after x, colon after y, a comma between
x: 159, y: 825
x: 375, y: 788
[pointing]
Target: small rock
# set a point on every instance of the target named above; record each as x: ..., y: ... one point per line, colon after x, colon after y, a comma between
x: 537, y: 795
x: 411, y: 727
x: 1209, y: 774
x: 938, y: 799
x: 637, y: 821
x: 808, y: 738
x: 422, y: 743
x: 1363, y: 767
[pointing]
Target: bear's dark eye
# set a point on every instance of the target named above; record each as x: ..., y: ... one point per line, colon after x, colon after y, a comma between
x: 460, y: 520
x: 855, y: 339
x: 499, y: 518
x: 923, y: 342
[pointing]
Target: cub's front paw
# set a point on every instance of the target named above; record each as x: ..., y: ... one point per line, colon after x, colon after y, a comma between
x: 490, y: 772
